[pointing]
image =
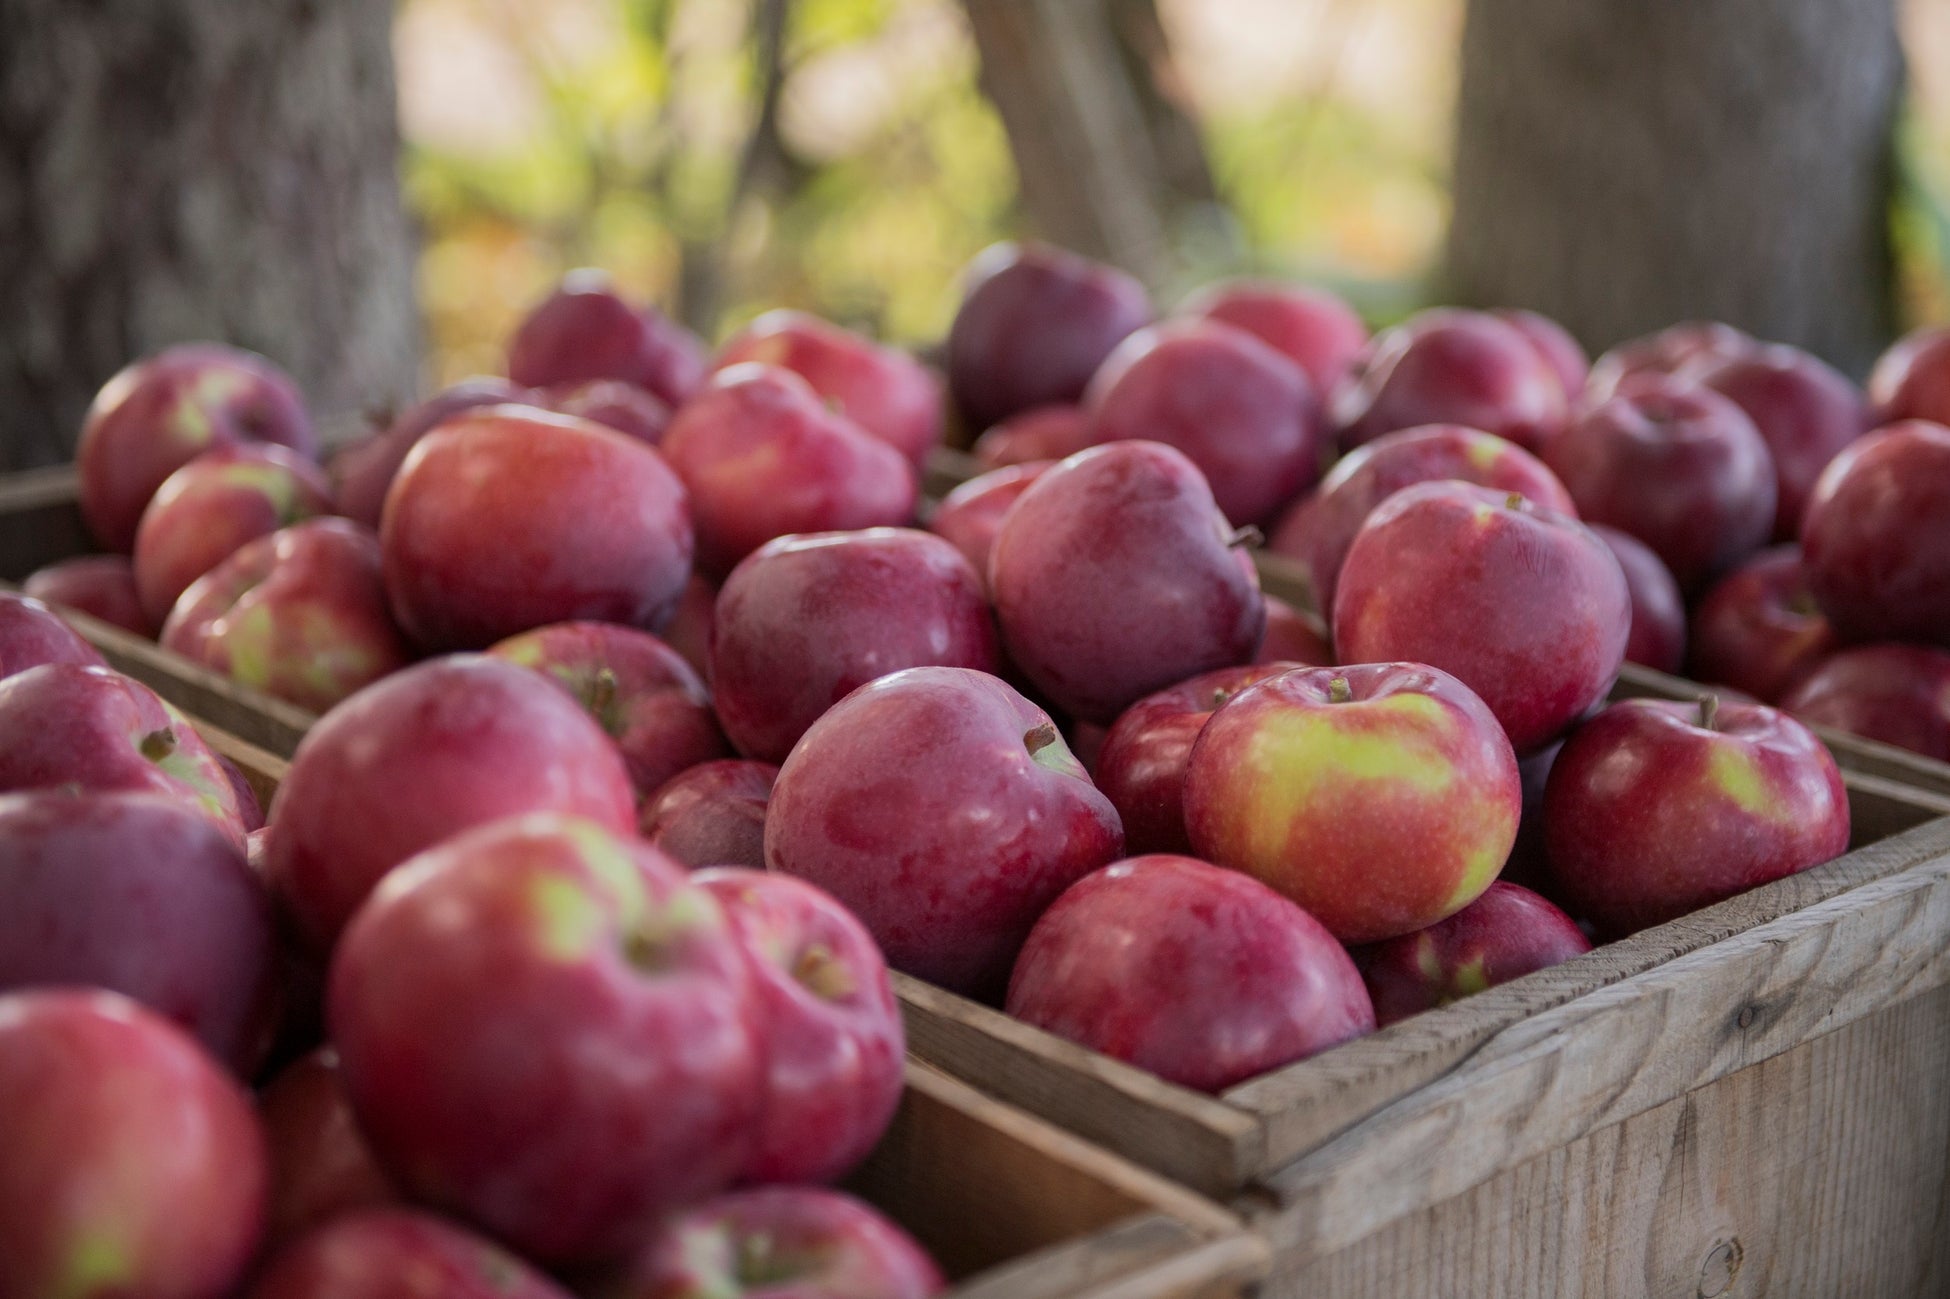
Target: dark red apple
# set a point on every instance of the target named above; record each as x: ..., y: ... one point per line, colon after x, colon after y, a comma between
x: 321, y: 1167
x: 399, y: 1254
x: 689, y: 629
x: 885, y: 391
x: 133, y: 1163
x: 1757, y: 793
x: 614, y: 404
x: 1320, y: 527
x: 160, y: 413
x: 1898, y: 694
x: 1505, y: 934
x: 805, y: 619
x: 1658, y: 635
x: 1311, y: 327
x: 362, y: 471
x: 1690, y: 343
x: 1034, y: 324
x: 250, y: 812
x: 971, y: 515
x: 32, y: 634
x: 1527, y: 607
x: 1039, y: 433
x: 762, y: 457
x: 1563, y: 353
x: 101, y: 586
x: 1875, y: 543
x: 712, y: 815
x: 614, y: 1071
x: 585, y: 330
x: 638, y: 689
x: 1448, y: 366
x: 1759, y: 629
x: 1293, y: 636
x: 1116, y: 575
x: 506, y: 519
x: 829, y: 1027
x: 419, y: 757
x: 1529, y: 862
x: 300, y: 614
x: 943, y: 809
x: 1912, y: 379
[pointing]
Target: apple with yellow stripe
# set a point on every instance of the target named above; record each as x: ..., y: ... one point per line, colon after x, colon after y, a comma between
x: 1656, y: 808
x: 1381, y: 798
x: 1505, y: 934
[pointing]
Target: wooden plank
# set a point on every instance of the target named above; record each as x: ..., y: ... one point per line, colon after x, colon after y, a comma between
x: 40, y: 521
x: 1819, y: 1172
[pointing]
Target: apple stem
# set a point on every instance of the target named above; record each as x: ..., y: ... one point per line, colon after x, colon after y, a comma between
x: 1249, y: 536
x: 1218, y: 699
x: 603, y: 693
x: 157, y: 745
x: 1339, y: 691
x: 1040, y: 736
x: 1709, y: 711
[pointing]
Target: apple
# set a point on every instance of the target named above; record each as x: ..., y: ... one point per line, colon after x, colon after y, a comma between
x: 1759, y: 630
x: 828, y: 1024
x: 1658, y: 636
x: 617, y: 1008
x: 506, y: 519
x: 62, y: 724
x: 1529, y: 861
x: 762, y: 457
x: 1898, y: 694
x: 1758, y: 796
x: 1039, y: 433
x: 417, y: 758
x: 1115, y: 575
x: 142, y: 895
x: 300, y: 614
x: 943, y: 809
x: 32, y: 634
x: 1381, y: 798
x: 398, y: 1254
x: 321, y: 1166
x: 1141, y: 764
x: 1086, y: 741
x: 792, y: 1242
x: 689, y: 629
x: 1527, y: 607
x: 614, y: 404
x: 133, y: 1166
x: 1912, y: 379
x: 805, y: 619
x: 1449, y: 366
x: 1875, y: 543
x: 1200, y: 975
x: 889, y: 394
x: 1311, y: 327
x: 250, y: 813
x: 638, y: 689
x: 1244, y: 413
x: 362, y: 471
x: 585, y: 330
x: 1670, y: 350
x: 1293, y: 636
x: 1317, y: 531
x: 971, y: 515
x: 160, y: 413
x: 1505, y: 934
x: 1034, y: 324
x: 1563, y: 353
x: 101, y: 586
x: 711, y: 815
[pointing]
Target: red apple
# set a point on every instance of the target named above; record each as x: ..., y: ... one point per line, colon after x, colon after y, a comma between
x: 1528, y: 608
x: 1690, y: 343
x: 1034, y: 324
x: 888, y: 393
x: 162, y: 412
x: 1320, y: 527
x: 139, y: 894
x: 1449, y: 366
x: 712, y: 815
x: 1141, y: 764
x: 506, y: 519
x: 321, y: 1166
x: 87, y: 727
x: 32, y: 634
x: 1658, y: 636
x: 805, y: 619
x: 101, y: 586
x: 643, y: 695
x: 762, y: 457
x: 689, y: 629
x: 399, y: 1254
x: 784, y: 1242
x: 250, y: 812
x: 300, y: 614
x: 1293, y: 636
x: 1039, y: 433
x: 1529, y: 862
x: 1382, y: 798
x: 1563, y: 353
x: 614, y: 404
x: 419, y: 757
x: 1505, y: 934
x: 585, y: 330
x: 1875, y: 543
x: 971, y: 515
x: 615, y: 1070
x: 1116, y: 575
x: 1912, y: 379
x: 1311, y: 327
x: 1759, y: 630
x: 362, y: 471
x: 1898, y: 694
x: 133, y: 1166
x: 828, y: 1023
x: 943, y: 809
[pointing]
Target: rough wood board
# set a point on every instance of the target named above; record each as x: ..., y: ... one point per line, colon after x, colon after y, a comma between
x: 1822, y: 1172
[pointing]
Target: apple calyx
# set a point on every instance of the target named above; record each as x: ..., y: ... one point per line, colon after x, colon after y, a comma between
x: 1513, y: 501
x: 158, y: 744
x: 1339, y: 691
x: 820, y: 971
x: 1709, y: 712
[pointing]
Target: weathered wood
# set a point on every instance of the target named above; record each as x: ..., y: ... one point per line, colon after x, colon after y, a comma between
x: 40, y: 521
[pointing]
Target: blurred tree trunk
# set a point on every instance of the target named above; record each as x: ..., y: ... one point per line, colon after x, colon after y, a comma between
x: 177, y: 169
x: 1622, y: 164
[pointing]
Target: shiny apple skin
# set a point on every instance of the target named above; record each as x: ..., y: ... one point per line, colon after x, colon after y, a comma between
x: 1758, y: 630
x: 1505, y: 934
x: 1563, y: 353
x: 362, y: 471
x: 970, y: 516
x: 1311, y: 327
x: 712, y: 815
x: 1449, y: 366
x: 1898, y: 694
x: 1039, y: 433
x: 585, y: 330
x: 1200, y: 975
x: 1759, y: 795
x: 320, y: 1164
x: 1658, y: 636
x: 32, y: 634
x: 101, y: 586
x: 399, y: 1254
x: 1912, y: 379
x: 1875, y: 543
